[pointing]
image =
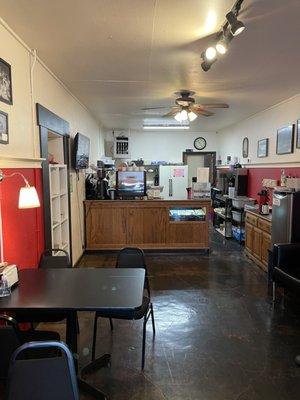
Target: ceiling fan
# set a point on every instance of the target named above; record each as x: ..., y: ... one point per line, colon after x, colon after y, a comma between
x: 187, y: 109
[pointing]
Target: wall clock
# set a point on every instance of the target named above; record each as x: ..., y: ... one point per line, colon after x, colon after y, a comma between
x: 200, y: 143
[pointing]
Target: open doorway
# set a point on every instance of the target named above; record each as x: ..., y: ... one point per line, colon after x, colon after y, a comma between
x: 200, y: 159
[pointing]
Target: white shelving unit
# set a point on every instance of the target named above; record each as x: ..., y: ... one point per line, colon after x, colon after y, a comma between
x: 59, y: 207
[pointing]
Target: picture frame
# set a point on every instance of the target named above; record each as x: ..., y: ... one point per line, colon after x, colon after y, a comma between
x: 245, y: 148
x: 285, y: 140
x: 298, y: 135
x: 263, y: 148
x: 5, y: 83
x: 4, y: 137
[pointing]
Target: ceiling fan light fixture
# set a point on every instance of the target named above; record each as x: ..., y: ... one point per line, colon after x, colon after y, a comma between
x: 192, y: 116
x: 236, y: 26
x: 178, y: 117
x: 210, y: 53
x: 184, y: 115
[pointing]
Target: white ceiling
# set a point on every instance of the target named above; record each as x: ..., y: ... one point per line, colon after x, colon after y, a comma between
x: 118, y: 56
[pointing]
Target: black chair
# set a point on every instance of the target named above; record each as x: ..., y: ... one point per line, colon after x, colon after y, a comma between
x: 42, y: 378
x: 130, y: 257
x: 11, y: 338
x: 286, y: 270
x: 286, y: 267
x: 47, y: 260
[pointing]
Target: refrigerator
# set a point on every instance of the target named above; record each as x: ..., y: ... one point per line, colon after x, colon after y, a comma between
x: 286, y: 216
x: 174, y: 179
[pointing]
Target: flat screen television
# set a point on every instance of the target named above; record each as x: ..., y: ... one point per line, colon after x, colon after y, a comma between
x: 81, y: 151
x: 131, y: 184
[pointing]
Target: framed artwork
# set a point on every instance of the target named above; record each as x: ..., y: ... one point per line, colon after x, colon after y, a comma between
x: 245, y: 147
x: 285, y: 140
x: 298, y: 134
x: 5, y: 82
x: 3, y: 127
x: 263, y: 148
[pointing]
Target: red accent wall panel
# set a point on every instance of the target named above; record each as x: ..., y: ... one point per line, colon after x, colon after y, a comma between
x: 23, y: 230
x: 256, y: 175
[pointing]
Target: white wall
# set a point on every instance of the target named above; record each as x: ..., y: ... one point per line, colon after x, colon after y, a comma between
x: 165, y: 146
x: 23, y: 131
x: 260, y: 126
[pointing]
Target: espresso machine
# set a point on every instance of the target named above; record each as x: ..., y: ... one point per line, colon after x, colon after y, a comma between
x: 97, y: 183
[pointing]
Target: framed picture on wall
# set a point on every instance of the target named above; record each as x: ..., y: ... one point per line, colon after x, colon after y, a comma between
x: 3, y: 127
x: 263, y: 148
x: 285, y: 140
x: 5, y: 82
x: 298, y: 134
x: 245, y: 147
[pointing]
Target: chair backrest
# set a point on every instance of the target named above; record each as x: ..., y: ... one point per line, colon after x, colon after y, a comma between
x: 42, y: 378
x: 133, y: 257
x: 48, y: 260
x: 9, y: 342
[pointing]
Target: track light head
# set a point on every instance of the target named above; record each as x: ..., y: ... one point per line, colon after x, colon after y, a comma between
x: 221, y: 46
x: 210, y: 53
x: 206, y: 66
x: 236, y: 26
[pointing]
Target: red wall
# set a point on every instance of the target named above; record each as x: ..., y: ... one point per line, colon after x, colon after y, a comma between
x: 256, y: 175
x: 23, y: 230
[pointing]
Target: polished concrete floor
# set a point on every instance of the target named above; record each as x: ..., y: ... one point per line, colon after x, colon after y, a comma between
x: 218, y: 337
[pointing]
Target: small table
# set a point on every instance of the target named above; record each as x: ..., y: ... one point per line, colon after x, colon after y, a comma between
x: 77, y: 289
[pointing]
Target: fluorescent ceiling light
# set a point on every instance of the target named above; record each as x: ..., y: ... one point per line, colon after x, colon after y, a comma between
x: 160, y: 127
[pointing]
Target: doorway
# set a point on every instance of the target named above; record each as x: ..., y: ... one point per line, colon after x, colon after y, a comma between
x: 194, y: 160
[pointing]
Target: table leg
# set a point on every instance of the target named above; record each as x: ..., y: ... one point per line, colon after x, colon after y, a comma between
x: 71, y: 339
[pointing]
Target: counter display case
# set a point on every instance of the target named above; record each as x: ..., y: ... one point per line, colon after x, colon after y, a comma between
x: 180, y: 214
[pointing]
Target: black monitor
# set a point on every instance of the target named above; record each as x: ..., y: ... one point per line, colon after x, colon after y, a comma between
x: 81, y: 151
x: 131, y: 184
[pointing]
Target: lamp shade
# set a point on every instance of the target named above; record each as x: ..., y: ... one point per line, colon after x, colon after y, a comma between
x: 28, y: 197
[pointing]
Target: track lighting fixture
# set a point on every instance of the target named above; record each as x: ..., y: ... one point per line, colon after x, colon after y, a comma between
x: 210, y: 53
x: 221, y: 46
x: 231, y: 28
x: 236, y: 26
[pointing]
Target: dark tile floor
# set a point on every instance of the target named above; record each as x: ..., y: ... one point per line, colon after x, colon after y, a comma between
x: 218, y: 337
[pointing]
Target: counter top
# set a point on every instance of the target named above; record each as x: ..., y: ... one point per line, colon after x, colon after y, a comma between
x: 255, y: 212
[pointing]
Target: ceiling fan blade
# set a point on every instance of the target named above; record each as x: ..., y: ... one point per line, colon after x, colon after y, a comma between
x: 200, y: 111
x: 153, y: 108
x: 171, y: 113
x: 213, y: 105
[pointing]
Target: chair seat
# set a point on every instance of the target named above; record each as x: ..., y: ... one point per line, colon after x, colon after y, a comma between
x: 121, y: 314
x: 285, y: 278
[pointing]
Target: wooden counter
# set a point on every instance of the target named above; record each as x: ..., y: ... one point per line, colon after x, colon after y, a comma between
x: 258, y: 237
x: 143, y: 223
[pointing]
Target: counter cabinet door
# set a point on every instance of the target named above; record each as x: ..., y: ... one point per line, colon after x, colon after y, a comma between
x: 256, y: 247
x: 249, y: 237
x: 105, y: 227
x: 265, y: 247
x: 146, y: 226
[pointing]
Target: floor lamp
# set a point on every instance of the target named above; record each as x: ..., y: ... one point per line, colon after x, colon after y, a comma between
x: 28, y: 198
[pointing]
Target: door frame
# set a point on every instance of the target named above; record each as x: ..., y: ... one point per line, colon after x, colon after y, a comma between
x: 48, y: 121
x: 185, y: 154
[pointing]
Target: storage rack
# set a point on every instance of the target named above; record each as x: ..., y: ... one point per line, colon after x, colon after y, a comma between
x: 59, y: 207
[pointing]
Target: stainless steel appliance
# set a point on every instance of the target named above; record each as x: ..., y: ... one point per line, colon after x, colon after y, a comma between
x: 237, y: 178
x: 286, y: 216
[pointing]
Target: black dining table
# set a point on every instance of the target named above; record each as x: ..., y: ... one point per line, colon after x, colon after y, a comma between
x: 70, y: 290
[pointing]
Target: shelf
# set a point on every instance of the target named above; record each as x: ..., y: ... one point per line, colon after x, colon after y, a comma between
x: 55, y: 225
x: 222, y: 215
x: 54, y: 196
x: 222, y: 232
x: 64, y: 220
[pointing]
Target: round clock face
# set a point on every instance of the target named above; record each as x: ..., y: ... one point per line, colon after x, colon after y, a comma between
x: 200, y: 143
